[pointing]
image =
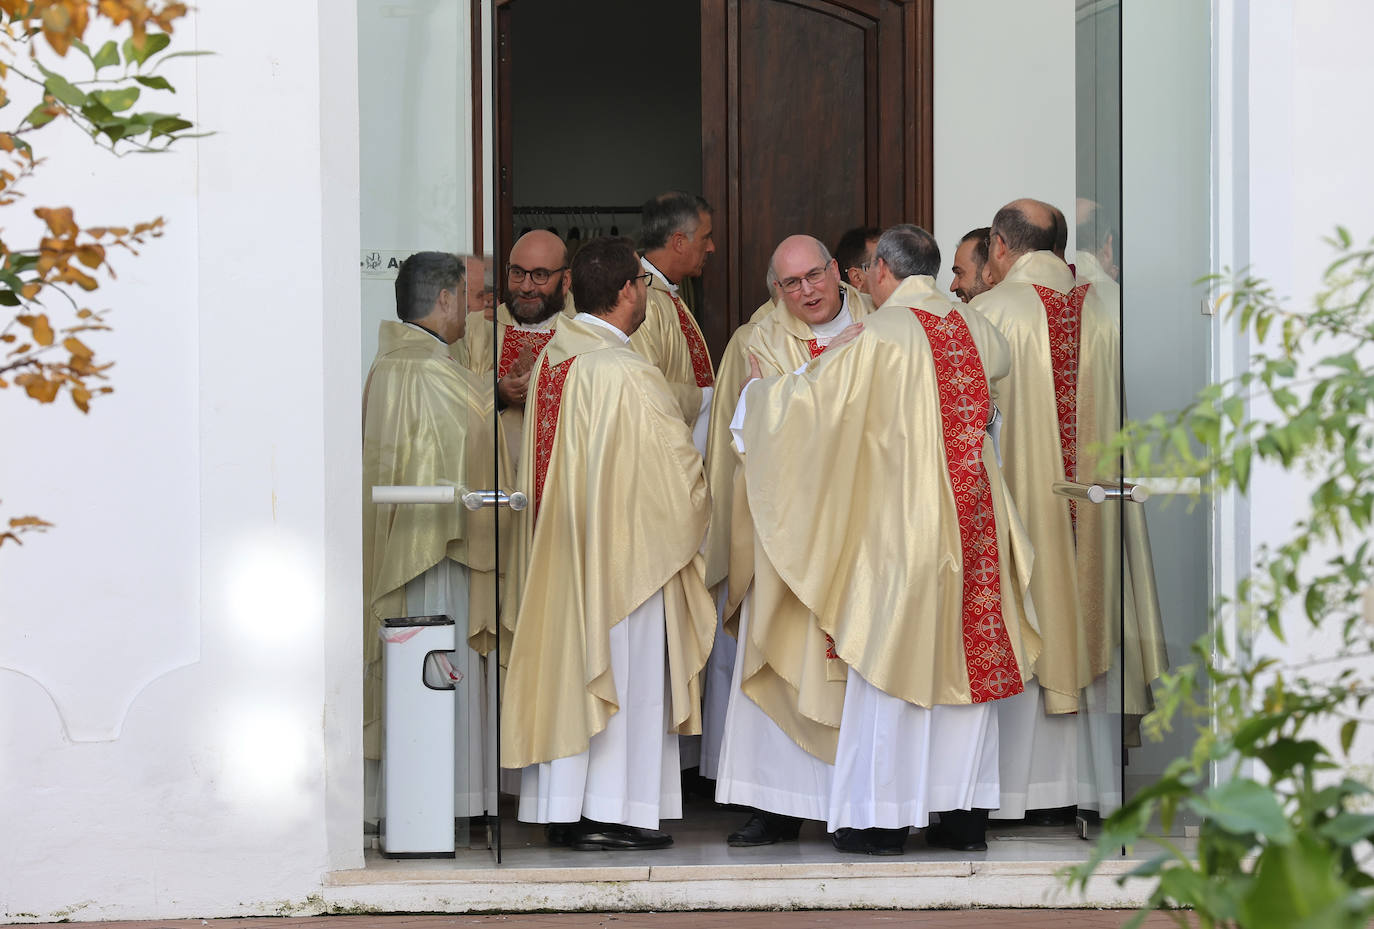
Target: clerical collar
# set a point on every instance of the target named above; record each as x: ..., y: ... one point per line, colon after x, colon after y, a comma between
x: 649, y: 266
x: 406, y: 322
x: 843, y: 319
x: 598, y: 321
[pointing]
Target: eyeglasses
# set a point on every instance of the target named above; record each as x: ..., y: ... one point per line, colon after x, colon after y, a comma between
x: 647, y: 277
x: 862, y: 266
x: 540, y: 276
x: 791, y: 285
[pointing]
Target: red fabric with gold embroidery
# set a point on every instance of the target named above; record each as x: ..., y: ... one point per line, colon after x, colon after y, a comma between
x: 965, y: 406
x: 514, y: 341
x: 696, y: 346
x: 1064, y: 317
x: 548, y: 398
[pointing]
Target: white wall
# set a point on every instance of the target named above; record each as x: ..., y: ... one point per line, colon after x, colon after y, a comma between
x: 1004, y: 111
x: 171, y: 674
x: 1308, y: 172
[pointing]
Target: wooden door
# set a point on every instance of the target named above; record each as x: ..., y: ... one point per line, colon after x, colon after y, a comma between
x: 816, y: 117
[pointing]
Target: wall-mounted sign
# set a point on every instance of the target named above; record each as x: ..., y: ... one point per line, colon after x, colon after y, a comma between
x: 380, y: 265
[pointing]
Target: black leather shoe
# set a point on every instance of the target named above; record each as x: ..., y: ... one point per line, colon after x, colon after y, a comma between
x: 611, y: 837
x: 559, y: 834
x: 765, y: 828
x: 870, y: 841
x: 936, y: 837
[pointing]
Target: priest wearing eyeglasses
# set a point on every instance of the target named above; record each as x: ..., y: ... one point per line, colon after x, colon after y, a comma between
x: 781, y: 769
x: 537, y: 297
x: 611, y: 619
x: 882, y: 522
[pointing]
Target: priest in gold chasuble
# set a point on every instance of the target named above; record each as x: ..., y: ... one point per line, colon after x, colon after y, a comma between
x: 876, y: 500
x: 783, y: 773
x: 427, y: 420
x: 721, y: 466
x: 537, y: 297
x: 611, y: 618
x: 676, y: 238
x: 1061, y: 398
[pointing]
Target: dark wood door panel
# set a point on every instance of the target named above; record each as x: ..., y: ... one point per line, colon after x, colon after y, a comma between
x: 816, y: 117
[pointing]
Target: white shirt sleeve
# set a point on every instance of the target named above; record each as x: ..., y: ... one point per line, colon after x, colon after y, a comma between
x: 737, y: 422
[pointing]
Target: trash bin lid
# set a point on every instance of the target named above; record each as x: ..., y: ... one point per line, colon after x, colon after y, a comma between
x: 402, y: 622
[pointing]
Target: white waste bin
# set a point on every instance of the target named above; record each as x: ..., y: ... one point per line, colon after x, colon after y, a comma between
x: 417, y: 752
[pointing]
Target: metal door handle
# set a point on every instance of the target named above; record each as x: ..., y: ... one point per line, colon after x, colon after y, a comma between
x: 472, y: 499
x: 476, y: 499
x: 1099, y: 493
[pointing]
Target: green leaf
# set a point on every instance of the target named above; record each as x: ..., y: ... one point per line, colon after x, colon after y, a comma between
x: 1348, y: 735
x: 1242, y: 806
x: 1286, y: 754
x: 9, y: 298
x: 118, y: 100
x: 62, y: 89
x: 39, y: 116
x: 153, y: 43
x: 1254, y: 729
x: 155, y: 82
x: 1296, y: 885
x: 1348, y: 828
x: 107, y: 56
x: 169, y: 125
x: 1242, y: 465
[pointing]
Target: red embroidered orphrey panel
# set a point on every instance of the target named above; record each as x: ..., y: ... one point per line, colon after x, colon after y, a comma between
x: 548, y: 398
x: 965, y: 406
x: 1064, y: 317
x: 696, y: 346
x: 815, y: 348
x: 514, y: 341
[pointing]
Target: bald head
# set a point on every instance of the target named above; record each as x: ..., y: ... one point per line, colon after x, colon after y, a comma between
x: 536, y: 254
x: 807, y: 279
x: 1020, y: 227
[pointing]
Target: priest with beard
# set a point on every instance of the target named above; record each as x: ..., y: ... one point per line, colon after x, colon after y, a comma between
x: 611, y: 619
x: 878, y: 508
x: 537, y: 297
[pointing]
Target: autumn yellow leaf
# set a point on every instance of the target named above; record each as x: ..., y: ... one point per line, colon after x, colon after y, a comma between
x: 30, y: 290
x: 42, y: 330
x: 82, y: 398
x: 21, y: 522
x: 83, y: 314
x: 21, y: 349
x: 9, y: 536
x: 6, y: 140
x: 90, y: 255
x: 77, y: 348
x: 39, y: 387
x: 59, y: 220
x: 8, y: 337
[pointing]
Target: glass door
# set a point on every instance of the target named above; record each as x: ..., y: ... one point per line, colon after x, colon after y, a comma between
x: 431, y: 464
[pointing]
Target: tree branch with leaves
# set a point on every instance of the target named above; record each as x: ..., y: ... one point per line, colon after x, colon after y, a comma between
x: 46, y: 320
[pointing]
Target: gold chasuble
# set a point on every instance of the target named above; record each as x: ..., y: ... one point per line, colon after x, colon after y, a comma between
x: 512, y: 341
x: 426, y: 420
x: 721, y: 457
x: 671, y: 339
x: 1062, y: 398
x: 1102, y: 571
x: 876, y: 500
x: 618, y: 509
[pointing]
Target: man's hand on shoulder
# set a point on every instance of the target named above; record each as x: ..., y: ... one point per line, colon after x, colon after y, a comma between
x: 755, y: 372
x: 849, y: 334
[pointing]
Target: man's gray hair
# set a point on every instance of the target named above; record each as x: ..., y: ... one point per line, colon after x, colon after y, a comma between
x: 667, y: 214
x: 420, y: 279
x: 908, y: 250
x: 825, y: 258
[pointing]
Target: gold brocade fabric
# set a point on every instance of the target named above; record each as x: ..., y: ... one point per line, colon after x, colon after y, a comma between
x: 426, y: 420
x: 1104, y: 565
x: 622, y: 513
x: 660, y: 340
x: 721, y: 457
x: 476, y: 352
x: 851, y: 503
x: 1075, y: 585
